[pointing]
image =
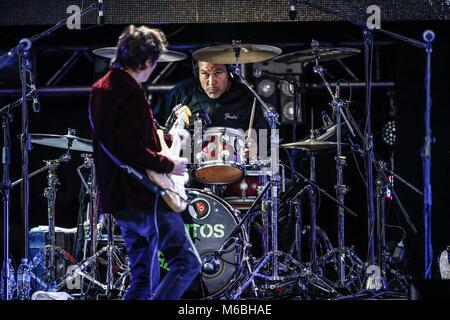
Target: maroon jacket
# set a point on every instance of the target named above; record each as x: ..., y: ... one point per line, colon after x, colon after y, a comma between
x: 124, y: 123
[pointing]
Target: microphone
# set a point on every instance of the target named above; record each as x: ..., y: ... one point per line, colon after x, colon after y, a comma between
x: 36, y: 104
x: 257, y: 73
x: 100, y: 18
x: 24, y: 44
x: 428, y: 35
x: 292, y: 9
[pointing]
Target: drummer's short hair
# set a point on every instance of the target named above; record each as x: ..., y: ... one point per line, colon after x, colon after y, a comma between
x: 136, y: 45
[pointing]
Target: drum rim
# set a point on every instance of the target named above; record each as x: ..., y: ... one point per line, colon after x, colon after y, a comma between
x: 210, y: 165
x: 219, y: 163
x: 239, y: 132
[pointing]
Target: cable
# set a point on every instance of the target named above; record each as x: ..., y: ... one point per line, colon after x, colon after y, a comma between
x: 349, y: 87
x: 176, y: 31
x: 359, y: 169
x: 155, y: 221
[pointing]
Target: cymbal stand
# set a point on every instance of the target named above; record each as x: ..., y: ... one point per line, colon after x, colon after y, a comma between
x: 272, y: 260
x: 49, y: 252
x: 341, y: 161
x: 91, y: 189
x: 113, y: 253
x: 91, y: 226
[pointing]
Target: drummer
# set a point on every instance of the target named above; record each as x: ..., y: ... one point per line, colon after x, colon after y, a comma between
x: 214, y: 96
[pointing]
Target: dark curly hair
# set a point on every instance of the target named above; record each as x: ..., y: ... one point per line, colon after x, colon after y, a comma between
x: 136, y: 46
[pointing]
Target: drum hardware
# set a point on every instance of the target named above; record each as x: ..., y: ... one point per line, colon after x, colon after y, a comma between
x: 378, y: 283
x: 68, y: 142
x: 337, y: 106
x: 49, y: 252
x: 274, y: 263
x: 428, y: 37
x: 86, y: 268
x: 236, y: 293
x: 384, y: 259
x: 210, y: 220
x: 91, y: 226
x: 323, y: 192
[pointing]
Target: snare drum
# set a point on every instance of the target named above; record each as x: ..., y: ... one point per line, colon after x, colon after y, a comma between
x: 222, y: 158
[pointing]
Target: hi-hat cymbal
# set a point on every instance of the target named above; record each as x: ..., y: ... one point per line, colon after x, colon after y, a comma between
x: 62, y: 141
x: 166, y: 56
x: 311, y: 145
x: 226, y: 54
x: 323, y: 54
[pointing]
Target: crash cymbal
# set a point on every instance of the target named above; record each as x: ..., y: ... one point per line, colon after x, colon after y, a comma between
x: 324, y: 54
x: 226, y: 54
x: 311, y: 145
x: 166, y: 56
x: 62, y: 141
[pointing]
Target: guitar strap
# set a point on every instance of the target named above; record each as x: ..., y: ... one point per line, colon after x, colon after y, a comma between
x: 142, y: 178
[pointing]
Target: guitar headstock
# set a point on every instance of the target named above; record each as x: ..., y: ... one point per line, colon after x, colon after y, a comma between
x: 183, y: 112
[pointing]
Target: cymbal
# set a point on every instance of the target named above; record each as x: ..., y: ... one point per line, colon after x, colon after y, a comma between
x: 225, y: 54
x: 62, y: 141
x: 166, y: 56
x: 311, y: 145
x: 324, y: 54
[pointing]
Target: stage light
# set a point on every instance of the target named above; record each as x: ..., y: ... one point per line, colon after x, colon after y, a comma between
x: 388, y: 133
x: 288, y: 112
x: 266, y: 88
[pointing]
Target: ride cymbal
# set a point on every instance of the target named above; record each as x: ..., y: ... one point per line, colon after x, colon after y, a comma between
x: 226, y: 54
x: 323, y: 54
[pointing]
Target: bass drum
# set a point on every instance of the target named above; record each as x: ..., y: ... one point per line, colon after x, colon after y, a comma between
x: 210, y: 220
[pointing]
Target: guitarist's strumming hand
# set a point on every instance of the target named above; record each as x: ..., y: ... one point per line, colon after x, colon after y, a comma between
x: 182, y: 133
x: 180, y: 167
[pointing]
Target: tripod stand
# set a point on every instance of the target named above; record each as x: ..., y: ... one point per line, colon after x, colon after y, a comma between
x: 275, y: 262
x: 337, y: 105
x: 116, y: 261
x: 51, y: 250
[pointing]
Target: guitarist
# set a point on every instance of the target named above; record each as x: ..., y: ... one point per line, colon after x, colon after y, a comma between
x: 123, y: 122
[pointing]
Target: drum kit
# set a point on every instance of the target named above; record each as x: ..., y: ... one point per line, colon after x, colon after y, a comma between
x: 238, y: 192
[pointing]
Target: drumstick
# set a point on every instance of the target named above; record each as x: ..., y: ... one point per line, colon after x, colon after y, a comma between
x: 252, y: 116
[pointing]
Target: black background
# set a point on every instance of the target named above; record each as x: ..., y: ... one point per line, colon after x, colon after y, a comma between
x: 398, y: 62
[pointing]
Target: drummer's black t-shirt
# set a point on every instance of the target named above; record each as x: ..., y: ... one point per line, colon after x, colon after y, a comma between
x: 232, y: 109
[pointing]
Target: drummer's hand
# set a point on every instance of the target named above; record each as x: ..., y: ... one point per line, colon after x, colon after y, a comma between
x: 180, y: 167
x: 251, y: 148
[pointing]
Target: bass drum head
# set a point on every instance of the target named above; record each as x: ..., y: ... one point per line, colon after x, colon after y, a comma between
x: 209, y: 221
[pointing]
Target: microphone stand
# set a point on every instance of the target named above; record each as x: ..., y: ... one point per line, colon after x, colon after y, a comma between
x: 368, y: 45
x: 426, y: 159
x: 6, y: 190
x: 273, y: 257
x: 23, y: 53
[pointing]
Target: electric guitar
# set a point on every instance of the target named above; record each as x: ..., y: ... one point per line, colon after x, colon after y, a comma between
x: 173, y: 185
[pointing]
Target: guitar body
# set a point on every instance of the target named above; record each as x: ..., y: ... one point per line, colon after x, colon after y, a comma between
x: 175, y: 193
